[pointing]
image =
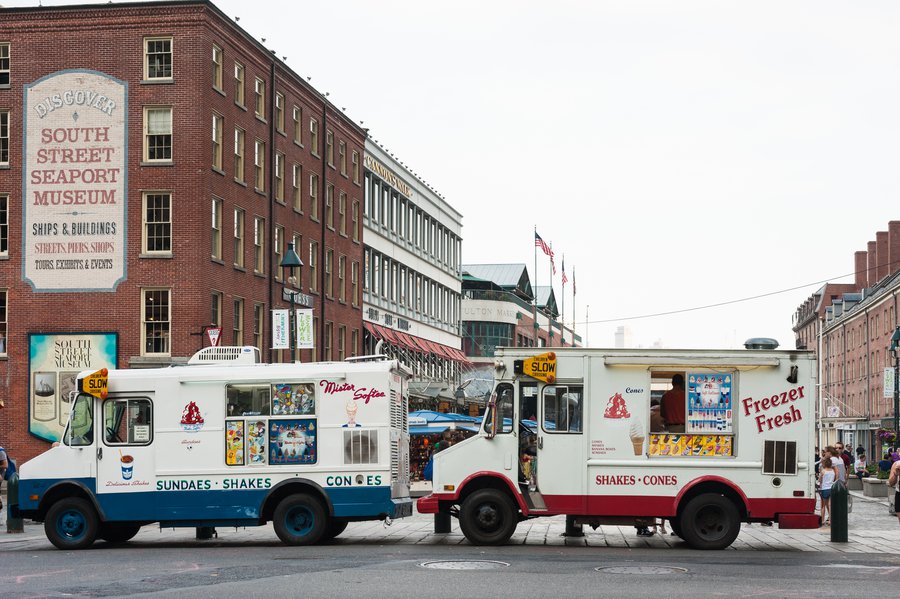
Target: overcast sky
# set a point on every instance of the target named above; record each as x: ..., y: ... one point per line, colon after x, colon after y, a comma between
x: 679, y: 154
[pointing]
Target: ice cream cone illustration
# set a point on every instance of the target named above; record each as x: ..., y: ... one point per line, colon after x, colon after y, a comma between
x: 636, y: 432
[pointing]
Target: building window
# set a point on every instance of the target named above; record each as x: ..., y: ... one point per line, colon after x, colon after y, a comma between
x: 158, y: 134
x: 237, y: 326
x: 156, y: 320
x: 4, y: 64
x: 259, y: 324
x: 296, y: 199
x: 354, y: 220
x: 4, y: 137
x: 216, y: 229
x: 355, y: 165
x: 217, y: 67
x: 354, y: 342
x: 329, y: 265
x: 297, y: 276
x: 314, y: 197
x: 329, y: 205
x: 158, y: 58
x: 314, y: 136
x: 3, y: 319
x: 239, y: 237
x: 259, y: 166
x: 342, y: 274
x: 157, y: 223
x: 279, y: 251
x: 342, y: 157
x: 215, y: 317
x: 313, y: 266
x: 327, y: 341
x: 239, y: 155
x: 260, y: 90
x: 342, y: 213
x: 239, y: 84
x: 354, y: 283
x: 279, y: 112
x: 4, y: 225
x: 259, y: 243
x: 329, y: 147
x: 341, y: 342
x: 218, y: 124
x: 298, y: 125
x: 279, y: 177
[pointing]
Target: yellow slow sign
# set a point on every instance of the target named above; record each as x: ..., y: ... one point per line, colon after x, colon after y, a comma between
x: 96, y: 383
x: 542, y: 367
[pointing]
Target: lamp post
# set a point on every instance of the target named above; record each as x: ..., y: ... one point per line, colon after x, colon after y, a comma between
x: 289, y: 262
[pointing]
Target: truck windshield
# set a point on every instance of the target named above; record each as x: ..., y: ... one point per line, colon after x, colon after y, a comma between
x: 80, y: 430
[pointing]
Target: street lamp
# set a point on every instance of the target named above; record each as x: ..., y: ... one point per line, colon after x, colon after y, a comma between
x: 895, y: 350
x: 291, y: 261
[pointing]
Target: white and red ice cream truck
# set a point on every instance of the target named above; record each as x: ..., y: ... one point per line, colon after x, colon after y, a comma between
x: 744, y: 452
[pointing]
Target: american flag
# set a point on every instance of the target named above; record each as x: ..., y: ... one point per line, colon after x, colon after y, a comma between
x: 565, y: 279
x: 538, y: 242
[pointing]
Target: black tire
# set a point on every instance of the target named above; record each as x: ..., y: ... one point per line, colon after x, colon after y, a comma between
x: 488, y: 517
x: 300, y: 520
x: 71, y: 523
x: 676, y: 527
x: 335, y: 527
x: 118, y: 532
x: 710, y: 521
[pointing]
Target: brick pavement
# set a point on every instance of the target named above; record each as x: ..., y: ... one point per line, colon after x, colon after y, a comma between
x: 871, y: 530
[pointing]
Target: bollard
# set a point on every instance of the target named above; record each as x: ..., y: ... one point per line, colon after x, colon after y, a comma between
x: 572, y: 529
x: 839, y: 496
x: 441, y: 523
x: 13, y: 519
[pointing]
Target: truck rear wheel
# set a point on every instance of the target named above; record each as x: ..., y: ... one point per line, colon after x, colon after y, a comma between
x: 118, y: 532
x: 709, y: 521
x: 71, y: 523
x: 335, y: 527
x: 488, y: 517
x: 300, y: 520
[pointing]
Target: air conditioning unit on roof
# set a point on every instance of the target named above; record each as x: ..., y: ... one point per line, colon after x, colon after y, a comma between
x: 226, y: 355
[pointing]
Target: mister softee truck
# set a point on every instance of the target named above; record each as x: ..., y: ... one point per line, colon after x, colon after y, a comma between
x: 226, y: 441
x: 576, y: 432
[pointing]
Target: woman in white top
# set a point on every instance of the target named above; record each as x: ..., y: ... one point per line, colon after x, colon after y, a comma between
x: 826, y: 480
x: 860, y: 466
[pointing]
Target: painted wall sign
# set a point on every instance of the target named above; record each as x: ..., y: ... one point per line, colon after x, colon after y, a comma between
x: 74, y: 182
x: 54, y: 362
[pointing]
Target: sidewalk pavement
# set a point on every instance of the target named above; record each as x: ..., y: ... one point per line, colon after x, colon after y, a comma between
x: 871, y: 530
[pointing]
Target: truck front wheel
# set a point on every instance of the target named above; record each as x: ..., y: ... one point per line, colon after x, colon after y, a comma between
x: 488, y: 517
x: 709, y: 521
x: 299, y: 520
x: 71, y: 523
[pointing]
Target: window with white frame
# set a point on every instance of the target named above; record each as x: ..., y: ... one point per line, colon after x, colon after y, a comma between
x: 238, y: 154
x: 355, y: 165
x: 296, y: 198
x: 329, y: 205
x: 313, y: 266
x: 158, y: 134
x: 3, y: 320
x: 354, y: 342
x: 4, y: 138
x: 157, y: 222
x: 237, y: 325
x: 279, y: 112
x: 260, y: 90
x: 354, y: 283
x: 259, y: 245
x: 279, y: 251
x: 354, y: 220
x: 341, y: 342
x: 259, y: 166
x: 217, y: 229
x: 329, y: 147
x: 156, y: 321
x: 4, y: 225
x: 279, y: 177
x: 329, y: 327
x: 342, y: 213
x: 342, y: 157
x: 314, y: 196
x: 342, y: 283
x: 314, y: 136
x: 215, y: 317
x: 296, y: 276
x: 259, y: 323
x: 4, y: 63
x: 218, y: 67
x: 239, y: 237
x: 298, y: 125
x: 218, y: 124
x: 157, y: 58
x: 239, y: 84
x: 329, y: 266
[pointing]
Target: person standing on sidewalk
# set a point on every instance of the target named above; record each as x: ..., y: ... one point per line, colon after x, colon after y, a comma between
x: 827, y: 475
x: 894, y: 481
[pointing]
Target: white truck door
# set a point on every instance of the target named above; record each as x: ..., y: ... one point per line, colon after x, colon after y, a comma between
x: 561, y: 458
x: 125, y: 460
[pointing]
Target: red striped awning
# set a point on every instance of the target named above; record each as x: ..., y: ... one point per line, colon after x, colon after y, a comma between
x: 371, y: 328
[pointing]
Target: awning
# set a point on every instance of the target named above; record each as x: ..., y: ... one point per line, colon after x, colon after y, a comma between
x: 371, y: 328
x: 387, y: 334
x: 407, y: 341
x: 420, y: 344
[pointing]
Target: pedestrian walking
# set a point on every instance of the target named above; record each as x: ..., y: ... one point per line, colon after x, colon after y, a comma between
x: 827, y: 476
x: 894, y: 481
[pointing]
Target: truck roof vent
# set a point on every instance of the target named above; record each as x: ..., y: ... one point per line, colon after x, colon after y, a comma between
x: 760, y: 343
x: 226, y: 355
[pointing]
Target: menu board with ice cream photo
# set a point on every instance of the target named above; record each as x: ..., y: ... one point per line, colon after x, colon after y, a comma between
x: 709, y: 409
x: 623, y: 424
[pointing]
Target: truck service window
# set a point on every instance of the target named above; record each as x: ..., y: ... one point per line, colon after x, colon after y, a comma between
x: 247, y: 400
x: 563, y: 408
x: 127, y: 422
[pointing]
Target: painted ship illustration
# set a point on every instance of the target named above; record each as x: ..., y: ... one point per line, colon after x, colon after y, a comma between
x: 43, y: 389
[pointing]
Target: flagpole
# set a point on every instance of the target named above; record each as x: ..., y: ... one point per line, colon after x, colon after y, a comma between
x: 549, y: 293
x: 573, y: 306
x: 534, y: 291
x: 562, y: 311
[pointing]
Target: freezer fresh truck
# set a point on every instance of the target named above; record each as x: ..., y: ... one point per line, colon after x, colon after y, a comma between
x: 744, y: 452
x: 226, y: 441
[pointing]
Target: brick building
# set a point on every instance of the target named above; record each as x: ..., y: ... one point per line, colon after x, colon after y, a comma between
x: 155, y: 163
x: 850, y: 327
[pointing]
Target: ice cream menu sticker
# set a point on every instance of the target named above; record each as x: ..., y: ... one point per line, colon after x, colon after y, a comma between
x: 709, y: 406
x: 619, y: 423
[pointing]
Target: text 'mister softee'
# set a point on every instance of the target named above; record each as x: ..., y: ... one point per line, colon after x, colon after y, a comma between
x: 763, y: 409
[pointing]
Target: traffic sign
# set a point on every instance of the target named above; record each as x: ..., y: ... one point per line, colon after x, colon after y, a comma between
x: 96, y: 383
x: 542, y: 367
x: 214, y: 333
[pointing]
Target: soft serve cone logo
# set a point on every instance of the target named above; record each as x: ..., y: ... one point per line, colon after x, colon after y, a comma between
x: 191, y: 420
